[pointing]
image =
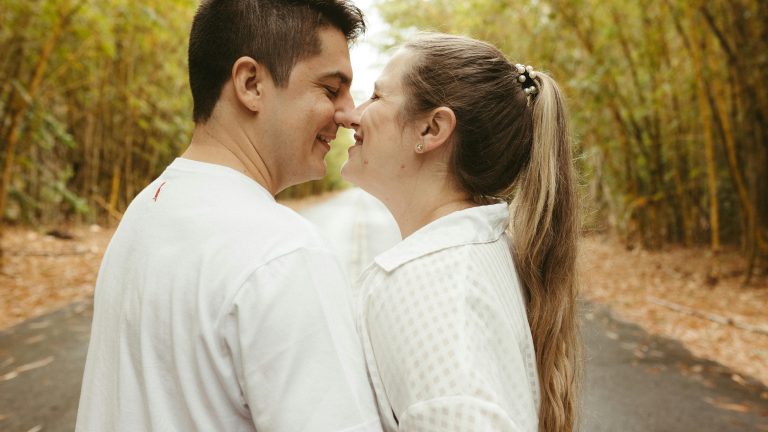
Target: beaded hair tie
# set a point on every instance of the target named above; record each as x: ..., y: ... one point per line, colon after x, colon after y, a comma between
x: 527, y: 78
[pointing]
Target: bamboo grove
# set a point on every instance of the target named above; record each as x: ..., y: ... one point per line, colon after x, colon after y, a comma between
x: 669, y: 102
x: 94, y: 103
x: 668, y: 98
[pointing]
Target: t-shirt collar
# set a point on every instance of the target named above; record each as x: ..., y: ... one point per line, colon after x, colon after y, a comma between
x: 208, y: 168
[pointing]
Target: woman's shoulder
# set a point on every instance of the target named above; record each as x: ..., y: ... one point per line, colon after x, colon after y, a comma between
x: 460, y: 274
x: 456, y: 263
x: 436, y: 277
x: 451, y: 263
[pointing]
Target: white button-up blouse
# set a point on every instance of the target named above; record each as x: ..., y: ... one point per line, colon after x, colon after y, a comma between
x: 443, y: 322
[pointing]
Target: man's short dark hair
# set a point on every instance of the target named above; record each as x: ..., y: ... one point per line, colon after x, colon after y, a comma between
x: 275, y: 33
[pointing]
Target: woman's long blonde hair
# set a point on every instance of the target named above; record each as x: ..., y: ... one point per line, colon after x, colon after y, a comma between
x: 514, y: 146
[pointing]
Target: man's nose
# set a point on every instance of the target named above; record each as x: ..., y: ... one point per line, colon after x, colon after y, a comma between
x: 346, y: 115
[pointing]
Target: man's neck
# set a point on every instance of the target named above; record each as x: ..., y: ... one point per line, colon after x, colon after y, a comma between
x: 212, y: 143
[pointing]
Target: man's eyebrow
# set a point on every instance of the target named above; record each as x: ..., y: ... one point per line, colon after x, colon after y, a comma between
x: 344, y: 78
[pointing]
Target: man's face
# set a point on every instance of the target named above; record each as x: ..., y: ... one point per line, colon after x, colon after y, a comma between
x: 300, y: 118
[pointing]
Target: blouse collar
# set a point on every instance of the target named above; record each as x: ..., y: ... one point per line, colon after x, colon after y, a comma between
x: 482, y: 224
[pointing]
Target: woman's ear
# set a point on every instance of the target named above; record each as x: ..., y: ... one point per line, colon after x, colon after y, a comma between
x: 436, y: 129
x: 249, y: 78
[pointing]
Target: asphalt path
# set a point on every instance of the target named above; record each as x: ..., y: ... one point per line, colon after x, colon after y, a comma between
x: 635, y: 382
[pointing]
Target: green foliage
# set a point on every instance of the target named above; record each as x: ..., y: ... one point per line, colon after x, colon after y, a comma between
x: 648, y: 83
x: 113, y: 108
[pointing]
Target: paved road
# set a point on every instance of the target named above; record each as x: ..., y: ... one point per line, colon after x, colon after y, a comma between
x: 635, y: 382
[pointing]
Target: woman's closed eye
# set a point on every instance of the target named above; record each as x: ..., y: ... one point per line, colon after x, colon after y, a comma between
x: 374, y: 97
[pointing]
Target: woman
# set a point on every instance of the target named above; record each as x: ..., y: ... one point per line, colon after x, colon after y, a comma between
x: 469, y: 324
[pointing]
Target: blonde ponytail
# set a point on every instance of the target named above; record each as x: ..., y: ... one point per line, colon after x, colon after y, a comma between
x: 545, y: 233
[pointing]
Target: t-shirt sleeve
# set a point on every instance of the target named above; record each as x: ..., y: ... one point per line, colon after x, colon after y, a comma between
x: 297, y: 355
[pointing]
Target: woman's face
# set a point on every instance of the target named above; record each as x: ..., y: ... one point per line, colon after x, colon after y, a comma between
x: 384, y: 152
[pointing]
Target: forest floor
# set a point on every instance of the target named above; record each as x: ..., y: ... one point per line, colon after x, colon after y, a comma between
x: 673, y: 294
x: 657, y: 290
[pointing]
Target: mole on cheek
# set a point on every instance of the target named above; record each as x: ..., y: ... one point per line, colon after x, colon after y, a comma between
x: 365, y: 161
x: 402, y: 166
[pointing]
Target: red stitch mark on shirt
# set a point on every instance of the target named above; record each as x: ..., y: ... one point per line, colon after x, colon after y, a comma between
x: 158, y: 192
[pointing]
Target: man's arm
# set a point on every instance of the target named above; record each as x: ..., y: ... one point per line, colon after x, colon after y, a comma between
x: 296, y: 352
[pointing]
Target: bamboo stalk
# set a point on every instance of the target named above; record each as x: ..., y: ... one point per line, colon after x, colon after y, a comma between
x: 709, y: 144
x: 116, y: 215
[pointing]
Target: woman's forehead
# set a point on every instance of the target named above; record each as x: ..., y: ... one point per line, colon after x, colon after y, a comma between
x: 393, y: 71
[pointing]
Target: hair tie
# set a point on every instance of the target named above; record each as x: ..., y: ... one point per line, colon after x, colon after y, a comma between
x: 526, y: 76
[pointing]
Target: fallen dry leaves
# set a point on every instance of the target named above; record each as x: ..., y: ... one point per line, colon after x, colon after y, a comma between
x: 631, y: 283
x: 43, y: 273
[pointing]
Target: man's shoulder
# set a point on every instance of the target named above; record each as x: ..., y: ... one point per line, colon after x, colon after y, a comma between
x: 256, y: 233
x: 275, y: 219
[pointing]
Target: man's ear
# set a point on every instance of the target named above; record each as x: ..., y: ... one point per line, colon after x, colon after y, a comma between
x: 249, y: 78
x: 437, y: 128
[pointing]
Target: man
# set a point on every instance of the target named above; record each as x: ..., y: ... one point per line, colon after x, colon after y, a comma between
x: 217, y: 309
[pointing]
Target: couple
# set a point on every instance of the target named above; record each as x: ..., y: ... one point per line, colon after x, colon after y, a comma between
x: 217, y: 309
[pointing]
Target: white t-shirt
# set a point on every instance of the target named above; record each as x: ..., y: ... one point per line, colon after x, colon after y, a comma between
x: 444, y: 328
x: 217, y: 309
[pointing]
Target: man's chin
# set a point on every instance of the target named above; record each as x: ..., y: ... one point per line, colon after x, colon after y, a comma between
x: 317, y: 172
